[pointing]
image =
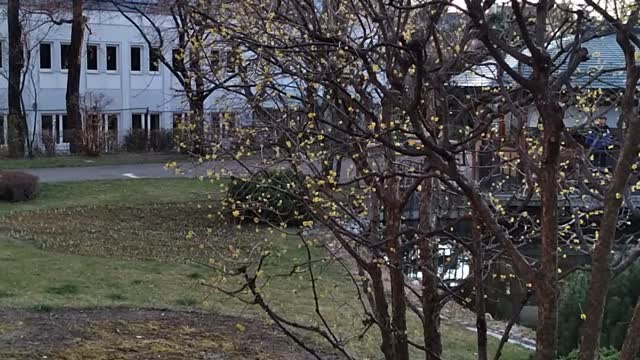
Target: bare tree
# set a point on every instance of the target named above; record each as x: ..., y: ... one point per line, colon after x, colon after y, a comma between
x: 385, y: 84
x: 601, y: 269
x: 17, y: 130
x: 92, y: 138
x: 195, y: 59
x: 314, y: 77
x: 73, y: 59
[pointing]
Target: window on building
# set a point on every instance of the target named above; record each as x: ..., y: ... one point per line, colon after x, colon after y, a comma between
x: 137, y: 121
x: 112, y: 123
x: 228, y: 123
x: 92, y: 57
x: 136, y: 58
x: 177, y: 59
x: 3, y: 129
x: 64, y: 56
x: 177, y: 120
x: 154, y: 119
x: 112, y: 58
x: 45, y: 56
x: 0, y: 61
x: 215, y: 121
x: 232, y: 62
x: 67, y: 131
x: 48, y: 128
x: 154, y: 59
x: 214, y: 59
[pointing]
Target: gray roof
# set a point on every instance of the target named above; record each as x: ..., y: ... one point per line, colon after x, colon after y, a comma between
x: 604, y: 54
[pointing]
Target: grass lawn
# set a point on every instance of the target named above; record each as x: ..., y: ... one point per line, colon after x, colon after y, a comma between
x: 79, y: 160
x: 114, y: 192
x: 128, y: 243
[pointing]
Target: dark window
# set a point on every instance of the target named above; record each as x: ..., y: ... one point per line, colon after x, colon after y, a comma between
x: 136, y: 63
x: 215, y: 120
x: 45, y: 56
x: 215, y: 59
x: 136, y: 121
x: 231, y: 62
x: 228, y: 123
x: 112, y: 123
x: 64, y: 56
x: 154, y: 59
x: 48, y: 129
x: 112, y: 58
x: 67, y: 131
x: 0, y: 55
x: 177, y: 120
x: 215, y: 124
x: 177, y: 59
x: 155, y: 121
x: 47, y: 122
x: 92, y: 57
x: 2, y: 129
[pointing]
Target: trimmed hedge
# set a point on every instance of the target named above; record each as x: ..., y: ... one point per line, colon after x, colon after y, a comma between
x: 17, y: 186
x: 269, y: 197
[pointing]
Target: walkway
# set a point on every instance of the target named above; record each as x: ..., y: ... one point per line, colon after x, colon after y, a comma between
x: 135, y: 171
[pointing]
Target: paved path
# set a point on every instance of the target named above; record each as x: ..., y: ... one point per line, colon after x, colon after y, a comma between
x: 135, y: 171
x: 131, y: 171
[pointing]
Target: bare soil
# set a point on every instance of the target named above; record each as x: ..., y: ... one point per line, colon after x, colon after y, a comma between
x: 138, y: 334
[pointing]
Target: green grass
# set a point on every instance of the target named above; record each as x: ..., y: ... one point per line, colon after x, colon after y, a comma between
x: 105, y: 192
x: 124, y: 243
x: 38, y: 278
x: 64, y: 289
x: 78, y: 160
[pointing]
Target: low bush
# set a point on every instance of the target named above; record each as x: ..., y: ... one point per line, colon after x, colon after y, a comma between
x: 621, y: 299
x: 136, y: 140
x: 140, y: 140
x: 605, y: 354
x: 92, y: 137
x: 162, y: 140
x: 17, y: 186
x: 268, y: 197
x: 49, y: 143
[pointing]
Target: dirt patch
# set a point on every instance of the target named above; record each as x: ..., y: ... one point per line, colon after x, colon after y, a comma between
x: 116, y: 334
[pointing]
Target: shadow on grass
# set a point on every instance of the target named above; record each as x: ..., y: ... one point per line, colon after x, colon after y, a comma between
x: 65, y: 289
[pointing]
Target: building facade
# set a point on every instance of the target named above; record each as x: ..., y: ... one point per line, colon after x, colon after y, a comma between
x: 118, y: 66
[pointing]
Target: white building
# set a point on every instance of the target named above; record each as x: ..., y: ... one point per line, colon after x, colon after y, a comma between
x: 116, y: 64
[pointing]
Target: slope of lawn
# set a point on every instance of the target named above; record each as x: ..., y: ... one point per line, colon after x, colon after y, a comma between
x: 135, y: 243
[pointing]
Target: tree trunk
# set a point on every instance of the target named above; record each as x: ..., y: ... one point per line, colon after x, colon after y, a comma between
x: 631, y: 345
x: 430, y: 296
x: 16, y: 129
x: 73, y: 77
x: 481, y: 308
x: 197, y: 135
x: 600, y: 267
x: 398, y: 299
x: 546, y: 285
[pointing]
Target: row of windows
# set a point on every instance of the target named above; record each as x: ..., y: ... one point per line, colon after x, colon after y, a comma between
x: 93, y: 55
x: 55, y: 127
x: 110, y: 58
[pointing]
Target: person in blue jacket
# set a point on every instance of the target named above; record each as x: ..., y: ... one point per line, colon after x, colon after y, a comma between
x: 599, y: 139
